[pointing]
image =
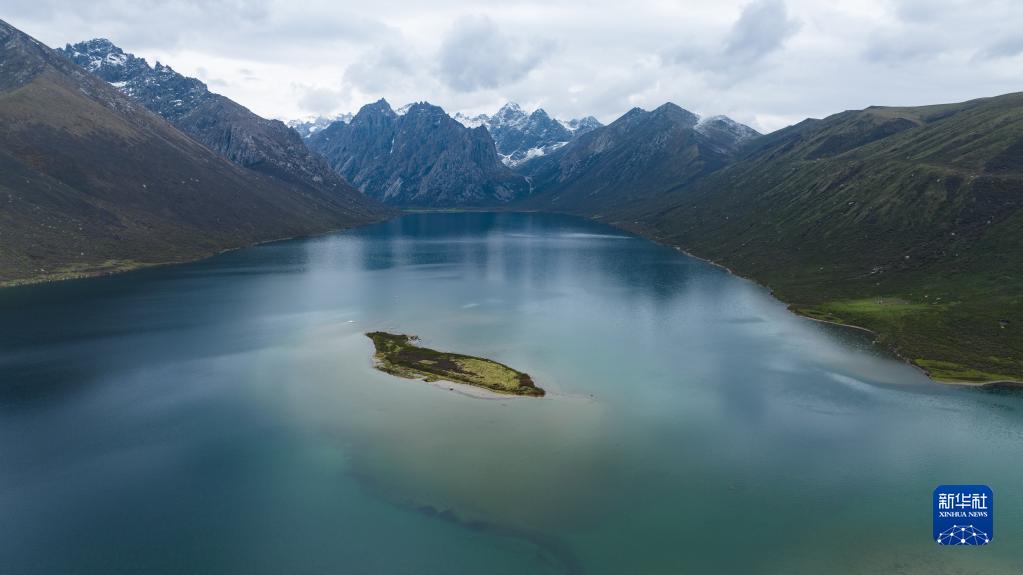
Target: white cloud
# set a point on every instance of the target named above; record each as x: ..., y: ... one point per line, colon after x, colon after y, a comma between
x: 766, y: 62
x: 317, y: 101
x: 477, y: 55
x: 761, y: 29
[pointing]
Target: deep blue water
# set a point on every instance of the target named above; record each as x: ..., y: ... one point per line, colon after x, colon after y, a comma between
x: 224, y: 417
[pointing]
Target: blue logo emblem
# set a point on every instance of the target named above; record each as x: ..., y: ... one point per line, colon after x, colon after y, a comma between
x: 964, y: 515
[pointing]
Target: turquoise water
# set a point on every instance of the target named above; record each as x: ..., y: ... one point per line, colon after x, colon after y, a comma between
x: 224, y: 417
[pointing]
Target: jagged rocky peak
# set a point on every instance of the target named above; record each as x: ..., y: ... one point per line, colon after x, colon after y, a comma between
x: 100, y: 179
x: 219, y: 123
x: 422, y: 108
x: 159, y: 87
x: 471, y: 121
x: 379, y: 108
x: 103, y: 58
x: 308, y: 126
x: 540, y: 118
x: 418, y: 157
x: 510, y: 114
x: 521, y: 136
x: 404, y: 109
x: 97, y: 51
x: 579, y: 126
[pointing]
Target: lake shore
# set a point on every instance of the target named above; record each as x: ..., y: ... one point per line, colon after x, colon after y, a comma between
x: 114, y: 267
x: 641, y: 231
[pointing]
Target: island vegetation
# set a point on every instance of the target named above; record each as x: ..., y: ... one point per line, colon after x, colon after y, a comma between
x: 398, y: 355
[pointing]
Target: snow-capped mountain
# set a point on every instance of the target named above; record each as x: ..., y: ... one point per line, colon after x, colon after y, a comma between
x: 725, y: 132
x: 93, y: 180
x: 160, y: 88
x: 107, y: 61
x: 472, y: 121
x: 418, y: 156
x: 309, y: 126
x: 580, y: 126
x: 521, y: 137
x: 217, y: 122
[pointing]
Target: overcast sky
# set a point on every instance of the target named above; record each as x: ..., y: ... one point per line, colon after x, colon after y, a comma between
x: 768, y: 63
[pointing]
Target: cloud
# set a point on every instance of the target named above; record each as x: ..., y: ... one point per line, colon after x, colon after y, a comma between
x: 900, y: 46
x: 761, y: 29
x: 317, y: 100
x: 766, y: 62
x: 268, y: 29
x: 381, y: 71
x: 918, y: 11
x: 1008, y: 47
x: 211, y: 81
x: 477, y: 55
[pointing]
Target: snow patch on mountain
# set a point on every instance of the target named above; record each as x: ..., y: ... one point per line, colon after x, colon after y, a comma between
x: 521, y: 136
x: 308, y: 126
x: 471, y: 121
x: 741, y: 132
x: 580, y: 126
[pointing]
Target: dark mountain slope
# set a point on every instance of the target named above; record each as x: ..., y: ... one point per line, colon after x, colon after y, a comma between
x: 633, y: 160
x: 223, y: 125
x: 908, y: 221
x: 422, y: 158
x: 91, y: 181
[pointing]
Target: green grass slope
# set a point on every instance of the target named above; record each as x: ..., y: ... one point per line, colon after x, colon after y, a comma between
x: 906, y: 221
x: 92, y: 182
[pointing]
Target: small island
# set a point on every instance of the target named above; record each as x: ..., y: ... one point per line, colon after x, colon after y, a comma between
x: 398, y: 355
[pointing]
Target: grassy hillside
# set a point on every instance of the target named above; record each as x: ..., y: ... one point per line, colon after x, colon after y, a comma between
x: 907, y: 221
x: 629, y: 162
x: 91, y: 181
x: 217, y: 122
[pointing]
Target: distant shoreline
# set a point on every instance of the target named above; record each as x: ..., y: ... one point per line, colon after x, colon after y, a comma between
x: 643, y: 233
x: 126, y: 266
x: 636, y: 230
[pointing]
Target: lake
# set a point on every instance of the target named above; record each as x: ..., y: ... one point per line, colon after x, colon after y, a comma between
x: 224, y: 417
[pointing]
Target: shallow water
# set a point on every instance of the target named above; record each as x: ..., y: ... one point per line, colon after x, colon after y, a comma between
x: 224, y: 416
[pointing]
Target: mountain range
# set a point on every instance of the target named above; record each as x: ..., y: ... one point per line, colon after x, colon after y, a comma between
x: 520, y: 137
x: 309, y: 126
x: 907, y: 221
x: 221, y: 124
x: 419, y: 157
x: 92, y: 181
x: 635, y: 159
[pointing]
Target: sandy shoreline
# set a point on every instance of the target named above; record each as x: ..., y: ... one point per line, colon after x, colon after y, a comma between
x: 473, y: 391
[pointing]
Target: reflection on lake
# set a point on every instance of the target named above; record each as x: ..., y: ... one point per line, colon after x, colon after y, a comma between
x: 224, y: 416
